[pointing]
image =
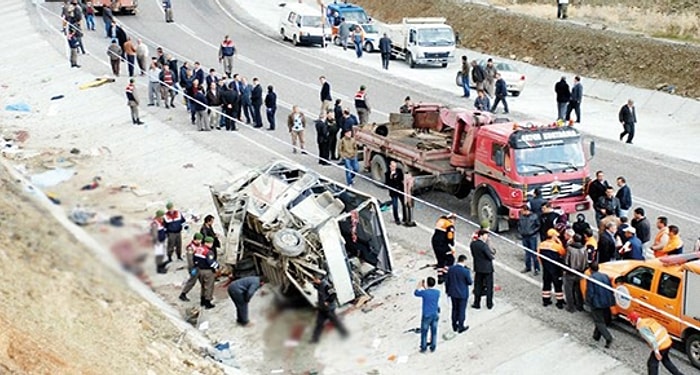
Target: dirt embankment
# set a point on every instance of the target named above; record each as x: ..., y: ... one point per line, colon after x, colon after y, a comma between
x: 64, y: 312
x: 629, y: 59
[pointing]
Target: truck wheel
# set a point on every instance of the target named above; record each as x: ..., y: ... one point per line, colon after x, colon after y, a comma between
x: 289, y: 242
x: 378, y: 168
x: 515, y: 93
x: 692, y: 348
x: 336, y: 41
x: 284, y: 37
x: 295, y: 40
x: 368, y: 47
x: 444, y: 65
x: 487, y: 210
x: 463, y: 189
x: 409, y: 60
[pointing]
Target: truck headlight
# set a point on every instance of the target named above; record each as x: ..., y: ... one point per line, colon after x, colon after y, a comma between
x: 581, y: 207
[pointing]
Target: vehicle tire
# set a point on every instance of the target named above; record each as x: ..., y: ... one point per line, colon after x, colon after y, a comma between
x: 463, y: 189
x: 295, y: 40
x: 487, y: 210
x: 444, y: 65
x: 284, y: 37
x: 378, y: 168
x: 692, y: 349
x: 515, y: 93
x: 336, y: 41
x: 369, y: 48
x: 409, y: 60
x: 458, y: 79
x: 289, y: 242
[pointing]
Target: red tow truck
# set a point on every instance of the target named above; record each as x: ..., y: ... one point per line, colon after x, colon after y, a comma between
x: 498, y: 161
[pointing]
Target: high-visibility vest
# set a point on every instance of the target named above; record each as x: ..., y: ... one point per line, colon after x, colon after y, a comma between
x: 553, y: 246
x: 660, y: 333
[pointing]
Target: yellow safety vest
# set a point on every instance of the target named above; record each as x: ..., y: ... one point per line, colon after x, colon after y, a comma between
x: 660, y: 333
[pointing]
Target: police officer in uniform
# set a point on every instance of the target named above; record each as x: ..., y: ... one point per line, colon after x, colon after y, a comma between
x: 206, y: 265
x: 362, y: 105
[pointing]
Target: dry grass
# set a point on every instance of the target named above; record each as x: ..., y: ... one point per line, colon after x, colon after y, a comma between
x: 667, y: 19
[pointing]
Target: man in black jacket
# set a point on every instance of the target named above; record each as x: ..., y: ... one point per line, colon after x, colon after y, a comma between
x: 607, y: 205
x: 624, y: 195
x: 628, y: 117
x: 394, y: 180
x: 597, y: 187
x: 326, y: 309
x: 334, y: 127
x: 576, y: 98
x: 271, y: 106
x: 563, y: 97
x: 326, y: 98
x: 600, y: 300
x: 483, y: 269
x: 256, y: 99
x: 385, y: 50
x: 322, y: 139
x: 606, y: 243
x: 478, y: 76
x: 230, y: 101
x: 501, y: 93
x: 529, y: 228
x: 641, y: 225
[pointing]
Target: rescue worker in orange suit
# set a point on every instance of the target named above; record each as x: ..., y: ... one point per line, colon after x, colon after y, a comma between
x: 552, y: 249
x: 658, y: 339
x: 443, y: 242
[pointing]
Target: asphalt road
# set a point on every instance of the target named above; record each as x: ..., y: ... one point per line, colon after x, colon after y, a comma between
x: 660, y: 184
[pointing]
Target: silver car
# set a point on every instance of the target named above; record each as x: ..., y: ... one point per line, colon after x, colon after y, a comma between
x: 515, y: 81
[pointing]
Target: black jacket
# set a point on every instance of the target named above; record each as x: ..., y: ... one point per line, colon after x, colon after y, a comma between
x: 229, y: 97
x: 326, y: 92
x: 547, y: 221
x: 478, y: 74
x: 271, y: 100
x: 501, y: 88
x: 624, y: 195
x: 256, y: 97
x: 385, y: 45
x: 394, y: 181
x: 326, y: 296
x: 483, y: 257
x: 562, y: 90
x: 606, y: 247
x: 643, y: 228
x: 529, y: 225
x: 597, y: 189
x: 323, y: 133
x: 627, y: 115
x: 611, y: 205
x: 339, y: 119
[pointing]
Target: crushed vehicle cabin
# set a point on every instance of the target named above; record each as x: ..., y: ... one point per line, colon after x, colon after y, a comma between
x: 291, y: 225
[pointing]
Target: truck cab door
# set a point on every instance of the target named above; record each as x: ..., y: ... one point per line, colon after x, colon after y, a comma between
x: 639, y: 284
x: 668, y: 299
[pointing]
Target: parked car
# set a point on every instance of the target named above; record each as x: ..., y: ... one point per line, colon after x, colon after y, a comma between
x: 372, y: 37
x: 515, y: 81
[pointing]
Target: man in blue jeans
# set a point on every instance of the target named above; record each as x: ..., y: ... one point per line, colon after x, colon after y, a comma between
x: 465, y: 76
x: 529, y: 229
x: 348, y: 152
x: 430, y: 313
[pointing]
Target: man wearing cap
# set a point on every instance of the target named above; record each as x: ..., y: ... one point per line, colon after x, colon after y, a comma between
x: 529, y: 229
x: 191, y: 248
x: 132, y: 100
x: 658, y: 339
x: 158, y: 235
x: 362, y: 105
x: 632, y: 249
x: 206, y: 265
x: 174, y: 223
x: 600, y: 299
x: 443, y: 242
x: 552, y: 249
x: 241, y: 292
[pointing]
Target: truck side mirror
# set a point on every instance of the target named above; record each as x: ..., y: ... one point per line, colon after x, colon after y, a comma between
x: 591, y: 148
x: 500, y: 158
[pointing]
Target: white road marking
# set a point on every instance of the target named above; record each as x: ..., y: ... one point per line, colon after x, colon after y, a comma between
x: 186, y: 29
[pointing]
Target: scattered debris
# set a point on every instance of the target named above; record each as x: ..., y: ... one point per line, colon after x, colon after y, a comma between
x: 116, y: 221
x: 204, y: 325
x: 18, y: 107
x: 223, y: 353
x: 188, y: 165
x: 21, y: 136
x: 52, y: 177
x: 57, y: 97
x: 447, y: 336
x: 96, y: 83
x: 192, y: 315
x: 412, y: 330
x: 93, y: 185
x: 53, y: 198
x: 74, y: 151
x: 82, y: 216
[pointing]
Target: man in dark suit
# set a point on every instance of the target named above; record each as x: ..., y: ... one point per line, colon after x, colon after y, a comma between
x: 256, y: 99
x: 597, y: 187
x: 483, y: 267
x: 385, y: 50
x: 457, y: 285
x: 628, y: 117
x: 606, y: 243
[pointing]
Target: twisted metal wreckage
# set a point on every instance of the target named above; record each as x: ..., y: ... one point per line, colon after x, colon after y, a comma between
x: 288, y: 223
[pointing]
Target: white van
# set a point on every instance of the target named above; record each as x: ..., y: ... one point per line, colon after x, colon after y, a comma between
x: 302, y: 24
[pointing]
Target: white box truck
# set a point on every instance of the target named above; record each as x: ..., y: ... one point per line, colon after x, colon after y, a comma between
x: 423, y: 41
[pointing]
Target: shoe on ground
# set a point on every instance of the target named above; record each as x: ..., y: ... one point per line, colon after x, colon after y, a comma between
x: 608, y: 343
x: 474, y: 306
x: 463, y: 329
x: 489, y: 307
x: 184, y: 298
x: 536, y: 272
x: 208, y: 305
x: 526, y: 270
